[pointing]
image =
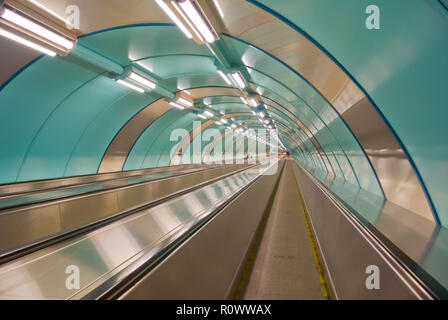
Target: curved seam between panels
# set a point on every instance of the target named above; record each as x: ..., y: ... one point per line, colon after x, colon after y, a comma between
x: 146, y: 24
x: 2, y: 86
x: 329, y: 55
x: 332, y: 134
x: 213, y: 124
x: 47, y: 119
x: 314, y: 112
x: 88, y: 126
x: 138, y: 138
x: 239, y: 102
x: 223, y: 146
x: 174, y: 55
x: 154, y: 141
x: 18, y: 72
x: 118, y: 132
x: 317, y: 116
x: 191, y: 142
x: 210, y: 144
x: 297, y: 73
x: 164, y: 149
x: 445, y: 6
x: 143, y: 131
x: 337, y: 162
x: 331, y: 165
x: 306, y: 154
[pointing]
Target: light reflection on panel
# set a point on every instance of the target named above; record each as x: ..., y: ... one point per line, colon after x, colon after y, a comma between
x: 105, y: 251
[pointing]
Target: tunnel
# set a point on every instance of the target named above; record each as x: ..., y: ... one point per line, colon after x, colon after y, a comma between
x: 223, y: 149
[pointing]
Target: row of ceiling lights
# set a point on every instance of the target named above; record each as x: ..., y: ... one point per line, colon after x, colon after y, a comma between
x: 187, y: 14
x: 190, y: 18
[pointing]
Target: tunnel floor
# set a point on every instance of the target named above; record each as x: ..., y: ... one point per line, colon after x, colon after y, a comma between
x: 285, y: 266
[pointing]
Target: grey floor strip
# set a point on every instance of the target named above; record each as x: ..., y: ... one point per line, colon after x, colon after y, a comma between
x: 285, y: 267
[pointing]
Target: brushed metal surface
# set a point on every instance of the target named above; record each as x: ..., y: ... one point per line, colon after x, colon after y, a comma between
x: 116, y: 155
x: 207, y: 266
x: 194, y: 133
x: 106, y: 252
x: 120, y: 147
x: 25, y: 225
x: 8, y: 191
x: 347, y: 250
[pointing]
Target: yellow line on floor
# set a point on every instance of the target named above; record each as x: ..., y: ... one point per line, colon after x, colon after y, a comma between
x: 323, y: 283
x: 247, y: 269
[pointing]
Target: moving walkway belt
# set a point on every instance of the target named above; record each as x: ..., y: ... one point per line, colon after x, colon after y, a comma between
x: 31, y: 192
x: 94, y: 224
x: 115, y: 251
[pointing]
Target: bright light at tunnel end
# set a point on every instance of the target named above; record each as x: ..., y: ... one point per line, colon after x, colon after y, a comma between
x: 261, y: 145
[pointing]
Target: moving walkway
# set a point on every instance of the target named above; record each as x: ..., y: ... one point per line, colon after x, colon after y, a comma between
x: 114, y: 251
x: 217, y: 232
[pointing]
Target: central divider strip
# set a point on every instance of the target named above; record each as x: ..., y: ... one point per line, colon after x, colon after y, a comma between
x: 319, y: 265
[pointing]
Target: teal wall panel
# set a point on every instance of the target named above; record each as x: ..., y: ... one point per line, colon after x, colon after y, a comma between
x: 26, y: 103
x: 402, y: 67
x: 51, y: 148
x: 146, y: 140
x: 88, y: 152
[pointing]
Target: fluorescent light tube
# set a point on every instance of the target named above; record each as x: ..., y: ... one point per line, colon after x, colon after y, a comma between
x: 239, y: 79
x: 226, y: 79
x: 218, y: 122
x: 27, y: 43
x: 175, y: 105
x: 35, y: 28
x: 218, y: 7
x: 131, y: 86
x: 259, y: 91
x: 192, y: 27
x: 201, y: 116
x: 173, y: 17
x: 197, y: 20
x: 244, y: 100
x: 261, y: 114
x: 254, y: 113
x: 208, y: 113
x: 223, y: 120
x: 141, y: 80
x: 185, y: 102
x: 253, y: 102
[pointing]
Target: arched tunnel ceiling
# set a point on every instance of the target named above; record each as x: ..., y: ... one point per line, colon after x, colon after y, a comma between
x: 285, y: 57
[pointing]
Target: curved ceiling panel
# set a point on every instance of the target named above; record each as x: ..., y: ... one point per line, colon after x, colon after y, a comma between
x: 412, y: 54
x: 74, y: 119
